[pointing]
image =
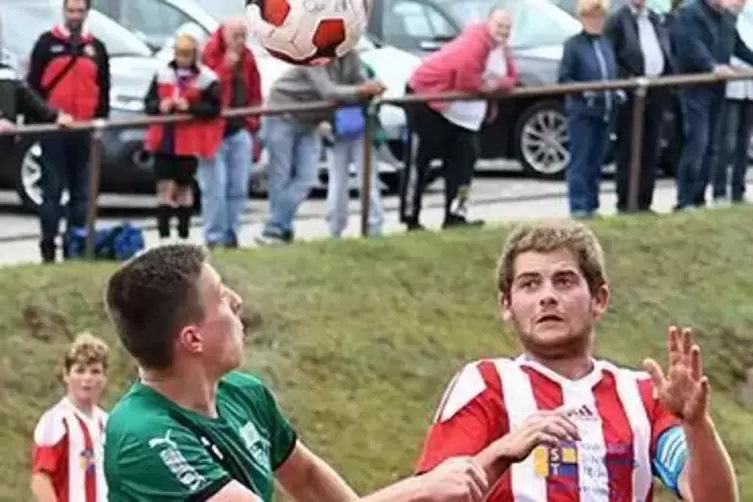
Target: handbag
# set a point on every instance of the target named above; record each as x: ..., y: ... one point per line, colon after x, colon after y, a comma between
x: 350, y: 122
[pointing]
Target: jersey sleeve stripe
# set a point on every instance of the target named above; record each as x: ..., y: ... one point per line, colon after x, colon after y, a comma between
x: 210, y: 490
x: 673, y: 448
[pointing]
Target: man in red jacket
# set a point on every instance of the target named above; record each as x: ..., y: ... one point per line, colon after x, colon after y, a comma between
x: 70, y: 69
x: 223, y: 179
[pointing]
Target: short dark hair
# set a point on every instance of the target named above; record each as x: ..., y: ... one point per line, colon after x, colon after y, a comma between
x: 152, y: 297
x: 87, y: 4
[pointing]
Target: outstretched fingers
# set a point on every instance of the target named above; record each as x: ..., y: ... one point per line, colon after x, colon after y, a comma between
x: 655, y: 372
x: 687, y: 345
x: 674, y: 346
x: 696, y: 363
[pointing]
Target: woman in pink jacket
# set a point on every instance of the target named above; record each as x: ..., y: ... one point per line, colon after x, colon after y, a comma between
x: 477, y: 60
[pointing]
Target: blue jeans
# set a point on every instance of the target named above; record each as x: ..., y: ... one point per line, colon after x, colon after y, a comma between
x: 588, y: 137
x: 735, y: 134
x: 293, y: 149
x: 701, y: 111
x: 65, y: 164
x: 223, y: 181
x: 345, y: 151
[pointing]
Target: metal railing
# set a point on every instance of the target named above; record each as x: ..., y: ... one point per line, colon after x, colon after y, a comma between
x: 640, y: 86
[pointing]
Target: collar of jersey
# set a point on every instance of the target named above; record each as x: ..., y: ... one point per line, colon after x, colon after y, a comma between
x: 588, y: 381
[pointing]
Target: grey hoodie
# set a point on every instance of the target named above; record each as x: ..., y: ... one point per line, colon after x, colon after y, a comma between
x: 337, y: 81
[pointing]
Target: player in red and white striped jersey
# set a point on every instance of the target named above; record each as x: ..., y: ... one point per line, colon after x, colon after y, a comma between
x: 557, y: 425
x: 68, y: 440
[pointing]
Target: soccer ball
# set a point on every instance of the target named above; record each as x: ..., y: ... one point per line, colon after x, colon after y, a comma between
x: 308, y: 32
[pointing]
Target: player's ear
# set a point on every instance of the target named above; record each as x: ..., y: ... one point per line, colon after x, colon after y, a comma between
x: 600, y: 301
x: 504, y: 304
x: 191, y: 340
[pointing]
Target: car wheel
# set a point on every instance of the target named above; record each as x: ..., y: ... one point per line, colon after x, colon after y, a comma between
x: 29, y: 177
x: 541, y: 139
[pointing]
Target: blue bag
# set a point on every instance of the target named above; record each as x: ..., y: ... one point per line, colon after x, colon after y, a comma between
x: 119, y: 243
x: 350, y: 122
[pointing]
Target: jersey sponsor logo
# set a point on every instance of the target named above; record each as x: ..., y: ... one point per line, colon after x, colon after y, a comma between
x: 559, y: 461
x: 256, y: 444
x: 86, y: 459
x: 176, y: 462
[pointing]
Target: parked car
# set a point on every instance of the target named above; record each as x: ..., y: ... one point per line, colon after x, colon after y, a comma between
x: 531, y: 130
x: 156, y: 22
x: 122, y: 166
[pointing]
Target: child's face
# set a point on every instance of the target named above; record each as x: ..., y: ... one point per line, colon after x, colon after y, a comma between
x: 85, y: 382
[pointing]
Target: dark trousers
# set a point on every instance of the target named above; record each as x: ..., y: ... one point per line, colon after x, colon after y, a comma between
x: 588, y: 137
x: 65, y: 165
x: 701, y: 113
x: 436, y: 137
x: 649, y: 154
x: 735, y: 136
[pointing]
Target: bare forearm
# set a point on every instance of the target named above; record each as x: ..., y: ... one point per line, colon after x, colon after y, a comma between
x: 493, y: 460
x: 42, y: 489
x: 322, y: 484
x: 710, y: 474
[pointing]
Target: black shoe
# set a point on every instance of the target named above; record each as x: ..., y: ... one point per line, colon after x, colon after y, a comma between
x: 412, y: 225
x: 48, y: 250
x: 456, y: 220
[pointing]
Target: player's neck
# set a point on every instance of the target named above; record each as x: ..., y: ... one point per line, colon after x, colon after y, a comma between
x: 86, y: 407
x: 572, y: 367
x: 194, y: 391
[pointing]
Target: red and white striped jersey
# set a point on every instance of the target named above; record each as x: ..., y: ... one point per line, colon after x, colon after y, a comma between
x: 68, y: 447
x: 618, y: 417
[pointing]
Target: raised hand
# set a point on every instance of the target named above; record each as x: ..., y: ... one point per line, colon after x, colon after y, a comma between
x: 683, y: 390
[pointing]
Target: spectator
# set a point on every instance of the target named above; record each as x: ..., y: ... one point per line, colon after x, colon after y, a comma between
x: 348, y: 127
x: 707, y: 34
x: 70, y: 69
x: 182, y: 86
x: 224, y: 178
x: 587, y: 57
x: 67, y: 459
x: 641, y: 47
x: 292, y: 140
x: 735, y: 132
x: 17, y: 98
x: 477, y: 60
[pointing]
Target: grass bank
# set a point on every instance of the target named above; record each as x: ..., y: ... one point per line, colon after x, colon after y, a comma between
x: 359, y: 338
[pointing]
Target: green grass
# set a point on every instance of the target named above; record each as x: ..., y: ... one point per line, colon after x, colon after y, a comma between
x: 359, y: 338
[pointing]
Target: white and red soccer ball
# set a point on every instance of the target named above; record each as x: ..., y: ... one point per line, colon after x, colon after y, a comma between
x: 308, y: 32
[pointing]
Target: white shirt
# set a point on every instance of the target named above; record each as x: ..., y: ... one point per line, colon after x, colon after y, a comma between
x: 470, y: 114
x: 653, y: 57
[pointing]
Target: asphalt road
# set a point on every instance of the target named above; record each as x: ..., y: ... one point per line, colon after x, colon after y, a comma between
x: 15, y: 225
x: 495, y: 199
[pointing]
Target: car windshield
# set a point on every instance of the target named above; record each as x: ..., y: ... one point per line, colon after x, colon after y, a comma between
x: 24, y: 20
x: 221, y: 9
x: 535, y: 22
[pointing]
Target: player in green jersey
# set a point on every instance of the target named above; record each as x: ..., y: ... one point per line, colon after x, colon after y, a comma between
x: 193, y: 429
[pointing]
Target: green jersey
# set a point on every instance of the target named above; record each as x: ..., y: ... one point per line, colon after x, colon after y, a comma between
x: 158, y: 451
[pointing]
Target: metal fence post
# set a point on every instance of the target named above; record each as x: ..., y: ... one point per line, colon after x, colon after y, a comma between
x: 372, y: 110
x: 95, y: 161
x: 638, y: 117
